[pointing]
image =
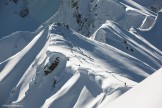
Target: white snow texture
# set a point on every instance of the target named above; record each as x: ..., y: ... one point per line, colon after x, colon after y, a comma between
x: 80, y: 53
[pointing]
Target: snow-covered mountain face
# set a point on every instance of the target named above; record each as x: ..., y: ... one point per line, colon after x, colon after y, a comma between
x: 25, y: 15
x: 154, y: 5
x: 84, y: 54
x: 150, y: 93
x: 86, y: 16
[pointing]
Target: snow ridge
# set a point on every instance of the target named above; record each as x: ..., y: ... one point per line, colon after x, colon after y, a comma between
x: 84, y: 56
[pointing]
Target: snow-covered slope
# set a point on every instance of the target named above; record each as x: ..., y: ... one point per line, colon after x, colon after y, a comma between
x: 87, y: 70
x: 25, y: 15
x: 153, y: 34
x: 86, y: 16
x: 146, y: 94
x: 153, y: 5
x: 135, y: 45
x: 57, y: 65
x: 13, y: 43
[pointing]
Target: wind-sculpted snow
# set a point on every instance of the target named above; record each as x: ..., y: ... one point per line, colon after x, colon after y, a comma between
x: 60, y: 67
x: 87, y: 16
x: 41, y: 86
x: 13, y: 69
x: 13, y: 43
x: 113, y: 34
x: 153, y: 34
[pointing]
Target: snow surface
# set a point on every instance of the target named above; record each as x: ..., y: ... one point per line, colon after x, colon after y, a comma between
x: 96, y: 12
x: 86, y: 67
x: 114, y: 35
x: 154, y: 5
x: 146, y: 94
x: 153, y: 34
x: 38, y: 12
x: 86, y: 55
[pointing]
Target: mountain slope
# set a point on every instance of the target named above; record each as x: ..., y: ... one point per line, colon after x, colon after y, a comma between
x: 11, y: 71
x: 135, y: 45
x: 86, y: 55
x: 153, y: 34
x: 25, y: 15
x: 151, y: 4
x: 149, y: 90
x: 107, y: 71
x: 87, y: 16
